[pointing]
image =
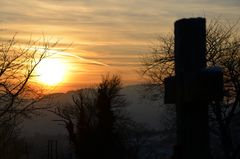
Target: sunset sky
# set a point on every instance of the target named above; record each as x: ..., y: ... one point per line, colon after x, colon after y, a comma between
x: 105, y: 35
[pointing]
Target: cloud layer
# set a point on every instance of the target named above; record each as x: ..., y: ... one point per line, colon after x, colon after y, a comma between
x: 109, y: 31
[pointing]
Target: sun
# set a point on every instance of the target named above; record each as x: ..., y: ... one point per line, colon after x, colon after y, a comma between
x: 51, y: 71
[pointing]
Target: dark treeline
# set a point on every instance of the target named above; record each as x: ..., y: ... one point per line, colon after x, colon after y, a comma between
x: 96, y: 123
x: 91, y: 119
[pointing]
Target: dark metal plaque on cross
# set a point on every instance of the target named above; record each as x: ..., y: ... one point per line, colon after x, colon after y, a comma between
x: 192, y: 88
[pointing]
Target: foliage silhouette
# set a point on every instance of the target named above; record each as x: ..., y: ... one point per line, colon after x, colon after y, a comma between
x: 93, y: 119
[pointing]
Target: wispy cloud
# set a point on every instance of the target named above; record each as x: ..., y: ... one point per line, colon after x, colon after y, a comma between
x: 76, y: 57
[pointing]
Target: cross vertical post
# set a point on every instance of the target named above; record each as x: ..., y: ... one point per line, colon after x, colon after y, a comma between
x: 192, y: 111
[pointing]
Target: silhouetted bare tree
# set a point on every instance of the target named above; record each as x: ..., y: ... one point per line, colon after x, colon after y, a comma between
x: 17, y: 94
x: 223, y: 49
x: 92, y: 119
x: 79, y: 118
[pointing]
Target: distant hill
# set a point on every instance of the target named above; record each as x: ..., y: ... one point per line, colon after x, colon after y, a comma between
x: 140, y: 109
x: 152, y: 143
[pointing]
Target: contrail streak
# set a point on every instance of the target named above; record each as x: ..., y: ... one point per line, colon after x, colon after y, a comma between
x: 72, y: 55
